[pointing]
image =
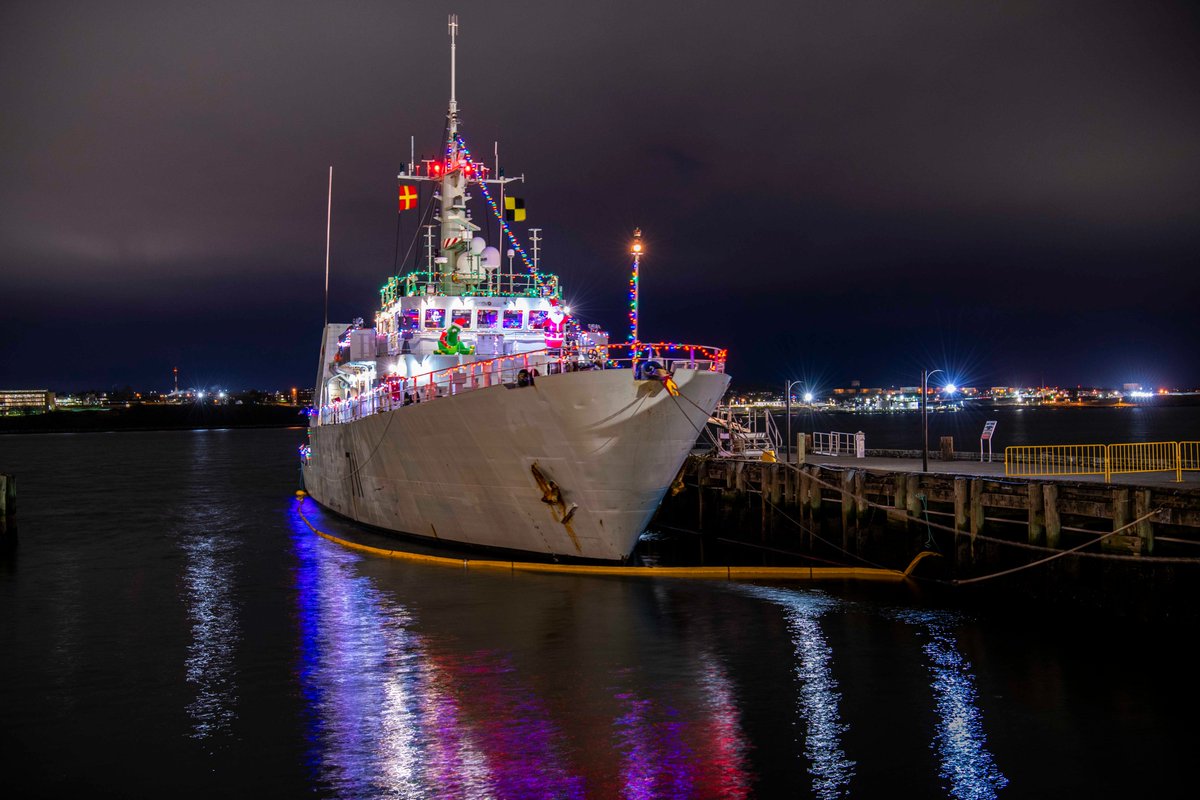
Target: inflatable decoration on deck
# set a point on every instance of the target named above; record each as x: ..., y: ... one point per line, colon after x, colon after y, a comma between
x: 448, y: 343
x: 555, y: 328
x: 654, y: 371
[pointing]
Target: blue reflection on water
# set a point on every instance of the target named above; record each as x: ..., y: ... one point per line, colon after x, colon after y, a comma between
x: 831, y: 769
x: 966, y: 764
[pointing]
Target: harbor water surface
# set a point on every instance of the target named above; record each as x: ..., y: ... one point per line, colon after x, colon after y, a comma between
x: 169, y: 626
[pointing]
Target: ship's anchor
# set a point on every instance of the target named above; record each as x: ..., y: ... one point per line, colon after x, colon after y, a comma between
x: 552, y: 496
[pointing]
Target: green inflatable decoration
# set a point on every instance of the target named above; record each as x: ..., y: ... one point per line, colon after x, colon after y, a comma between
x: 449, y: 345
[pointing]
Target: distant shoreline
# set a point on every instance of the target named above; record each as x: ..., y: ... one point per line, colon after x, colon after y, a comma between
x: 156, y: 418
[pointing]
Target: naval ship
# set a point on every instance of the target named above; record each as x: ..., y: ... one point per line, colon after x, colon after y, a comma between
x: 477, y: 411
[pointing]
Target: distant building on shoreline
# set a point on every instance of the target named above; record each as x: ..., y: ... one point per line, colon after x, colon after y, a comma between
x: 26, y: 401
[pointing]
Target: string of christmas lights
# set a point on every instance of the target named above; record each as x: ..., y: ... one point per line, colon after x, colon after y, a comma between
x: 633, y: 301
x: 495, y: 209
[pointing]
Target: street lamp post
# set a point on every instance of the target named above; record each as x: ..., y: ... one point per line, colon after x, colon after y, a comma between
x: 925, y: 417
x: 787, y: 395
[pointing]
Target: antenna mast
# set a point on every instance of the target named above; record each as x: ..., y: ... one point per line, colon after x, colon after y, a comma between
x: 453, y: 102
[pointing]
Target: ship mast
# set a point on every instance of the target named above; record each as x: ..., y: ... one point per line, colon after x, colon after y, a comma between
x: 459, y: 266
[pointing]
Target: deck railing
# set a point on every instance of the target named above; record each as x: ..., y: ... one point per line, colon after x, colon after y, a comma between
x: 395, y: 392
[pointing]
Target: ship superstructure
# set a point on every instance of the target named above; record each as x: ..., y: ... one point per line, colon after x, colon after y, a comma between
x: 476, y: 410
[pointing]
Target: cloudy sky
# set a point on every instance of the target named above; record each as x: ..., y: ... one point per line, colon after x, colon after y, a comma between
x: 836, y: 191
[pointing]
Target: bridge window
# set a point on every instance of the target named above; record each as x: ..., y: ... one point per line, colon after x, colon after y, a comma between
x: 486, y: 318
x: 461, y: 317
x: 512, y: 320
x: 435, y: 318
x: 537, y: 319
x: 409, y: 320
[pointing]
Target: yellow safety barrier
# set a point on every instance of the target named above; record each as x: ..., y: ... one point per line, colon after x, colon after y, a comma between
x: 723, y: 573
x: 1037, y: 461
x: 1143, y: 457
x: 1030, y: 461
x: 1189, y: 457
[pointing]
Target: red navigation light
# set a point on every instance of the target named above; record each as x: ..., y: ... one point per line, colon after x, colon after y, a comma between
x: 436, y: 168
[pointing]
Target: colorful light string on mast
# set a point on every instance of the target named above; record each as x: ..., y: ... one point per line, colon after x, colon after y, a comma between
x: 636, y: 250
x: 462, y: 146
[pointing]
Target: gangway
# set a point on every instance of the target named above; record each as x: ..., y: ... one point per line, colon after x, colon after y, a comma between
x: 744, y: 433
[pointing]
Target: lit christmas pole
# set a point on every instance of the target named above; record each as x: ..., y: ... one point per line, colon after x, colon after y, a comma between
x: 636, y: 250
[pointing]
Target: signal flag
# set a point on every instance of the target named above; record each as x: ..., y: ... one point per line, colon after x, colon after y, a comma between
x: 408, y: 198
x: 514, y: 209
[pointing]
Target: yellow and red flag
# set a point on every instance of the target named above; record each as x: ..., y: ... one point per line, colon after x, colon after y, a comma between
x: 408, y: 197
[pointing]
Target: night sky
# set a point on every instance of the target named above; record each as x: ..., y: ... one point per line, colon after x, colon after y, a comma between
x: 835, y: 191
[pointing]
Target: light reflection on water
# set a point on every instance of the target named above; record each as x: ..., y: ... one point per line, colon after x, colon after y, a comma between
x: 390, y: 715
x: 965, y: 762
x: 831, y: 769
x: 393, y: 711
x: 214, y: 636
x: 236, y: 648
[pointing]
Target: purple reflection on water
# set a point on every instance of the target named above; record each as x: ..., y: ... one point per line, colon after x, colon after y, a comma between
x: 391, y: 715
x: 669, y: 754
x: 656, y: 761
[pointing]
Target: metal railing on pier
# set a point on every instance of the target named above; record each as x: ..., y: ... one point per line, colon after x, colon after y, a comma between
x: 1126, y: 458
x: 1054, y: 459
x: 838, y: 443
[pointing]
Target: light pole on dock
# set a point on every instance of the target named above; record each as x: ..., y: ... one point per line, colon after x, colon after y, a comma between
x: 635, y: 249
x: 787, y: 398
x: 925, y: 417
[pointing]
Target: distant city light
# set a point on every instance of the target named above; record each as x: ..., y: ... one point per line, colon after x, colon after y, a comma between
x: 221, y: 395
x: 951, y: 388
x: 1141, y: 394
x: 200, y: 395
x: 808, y: 397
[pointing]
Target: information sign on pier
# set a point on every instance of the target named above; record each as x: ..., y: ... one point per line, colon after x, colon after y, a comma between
x: 989, y: 428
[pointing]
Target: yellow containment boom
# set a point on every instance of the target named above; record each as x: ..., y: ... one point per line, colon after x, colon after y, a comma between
x: 722, y: 573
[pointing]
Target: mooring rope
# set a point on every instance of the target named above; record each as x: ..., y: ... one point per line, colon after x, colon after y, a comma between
x: 1039, y: 562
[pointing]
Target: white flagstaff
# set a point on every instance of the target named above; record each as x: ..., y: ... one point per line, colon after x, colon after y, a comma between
x: 328, y: 220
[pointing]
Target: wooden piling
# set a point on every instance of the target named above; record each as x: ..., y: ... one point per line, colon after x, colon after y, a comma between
x: 912, y: 486
x: 976, y: 508
x: 1037, y: 514
x: 1127, y: 541
x: 814, y: 492
x: 860, y: 510
x: 1053, y: 523
x: 1145, y: 528
x: 960, y: 504
x: 8, y: 495
x: 847, y: 506
x: 764, y: 491
x: 1120, y: 515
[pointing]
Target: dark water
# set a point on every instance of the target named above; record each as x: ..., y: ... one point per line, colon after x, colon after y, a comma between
x: 1016, y: 426
x: 169, y: 627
